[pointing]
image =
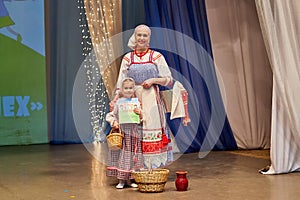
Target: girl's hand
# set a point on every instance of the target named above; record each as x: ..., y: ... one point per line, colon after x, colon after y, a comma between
x: 113, y: 102
x: 137, y: 111
x: 111, y: 105
x: 115, y: 125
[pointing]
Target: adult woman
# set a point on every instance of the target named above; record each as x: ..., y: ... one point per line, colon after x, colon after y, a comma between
x: 149, y: 69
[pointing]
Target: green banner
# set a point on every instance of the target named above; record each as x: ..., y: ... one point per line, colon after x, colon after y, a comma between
x: 23, y: 110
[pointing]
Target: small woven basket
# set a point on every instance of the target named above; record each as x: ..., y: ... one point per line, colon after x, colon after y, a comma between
x: 151, y: 180
x: 115, y: 139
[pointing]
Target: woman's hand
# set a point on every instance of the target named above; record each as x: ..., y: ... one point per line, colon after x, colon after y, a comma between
x: 185, y: 121
x: 147, y: 83
x: 159, y: 81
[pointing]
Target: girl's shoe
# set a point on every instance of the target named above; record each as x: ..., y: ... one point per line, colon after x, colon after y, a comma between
x: 121, y: 184
x: 131, y: 184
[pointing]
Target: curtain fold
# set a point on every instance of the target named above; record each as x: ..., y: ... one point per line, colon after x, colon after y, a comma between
x: 244, y: 70
x: 104, y: 21
x: 188, y: 52
x: 65, y: 58
x: 280, y: 22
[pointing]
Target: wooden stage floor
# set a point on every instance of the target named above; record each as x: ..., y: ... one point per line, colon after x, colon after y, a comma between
x: 77, y: 171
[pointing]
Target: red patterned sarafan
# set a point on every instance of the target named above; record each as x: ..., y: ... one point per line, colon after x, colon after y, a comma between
x: 152, y: 147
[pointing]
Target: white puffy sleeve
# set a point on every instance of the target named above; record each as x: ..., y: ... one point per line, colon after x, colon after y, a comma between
x: 163, y: 67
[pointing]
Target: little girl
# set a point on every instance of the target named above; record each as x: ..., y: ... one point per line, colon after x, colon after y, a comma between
x: 122, y: 162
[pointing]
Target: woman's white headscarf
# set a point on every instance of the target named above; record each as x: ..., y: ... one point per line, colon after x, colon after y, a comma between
x: 131, y: 43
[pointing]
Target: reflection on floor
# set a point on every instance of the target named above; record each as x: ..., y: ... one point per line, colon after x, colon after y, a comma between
x: 57, y: 172
x: 265, y: 153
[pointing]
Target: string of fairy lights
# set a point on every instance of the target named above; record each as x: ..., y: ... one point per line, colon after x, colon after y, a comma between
x: 95, y: 87
x: 101, y: 24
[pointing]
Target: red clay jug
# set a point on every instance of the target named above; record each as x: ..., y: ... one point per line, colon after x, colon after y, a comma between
x: 181, y: 182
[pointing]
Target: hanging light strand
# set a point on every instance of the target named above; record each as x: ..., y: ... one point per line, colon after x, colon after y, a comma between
x: 95, y: 88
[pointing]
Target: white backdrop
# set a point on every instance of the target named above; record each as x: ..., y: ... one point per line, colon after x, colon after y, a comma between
x: 280, y: 22
x: 244, y: 70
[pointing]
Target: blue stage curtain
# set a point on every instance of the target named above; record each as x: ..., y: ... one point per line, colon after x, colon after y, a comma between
x: 210, y: 129
x: 65, y: 52
x: 132, y: 14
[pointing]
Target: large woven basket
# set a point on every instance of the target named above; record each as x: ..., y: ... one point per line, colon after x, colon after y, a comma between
x: 151, y: 180
x: 115, y: 139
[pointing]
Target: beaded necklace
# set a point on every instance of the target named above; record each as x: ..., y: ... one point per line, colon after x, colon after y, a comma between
x: 141, y: 54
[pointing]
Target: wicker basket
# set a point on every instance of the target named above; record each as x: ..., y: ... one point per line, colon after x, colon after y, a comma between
x: 151, y: 180
x: 115, y: 139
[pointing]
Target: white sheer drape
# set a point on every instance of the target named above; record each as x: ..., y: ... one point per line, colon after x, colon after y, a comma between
x: 244, y: 70
x: 280, y: 22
